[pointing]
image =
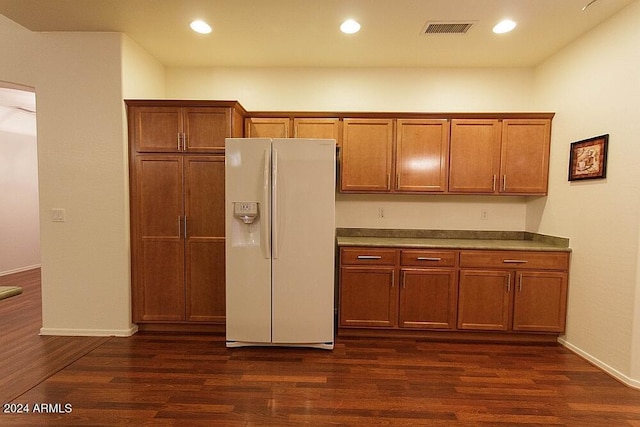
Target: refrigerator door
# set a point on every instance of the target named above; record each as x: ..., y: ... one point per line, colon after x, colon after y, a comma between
x: 247, y: 244
x: 303, y: 241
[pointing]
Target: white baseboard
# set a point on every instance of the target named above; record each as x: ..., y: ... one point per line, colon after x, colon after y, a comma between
x: 19, y: 270
x: 90, y: 332
x: 634, y: 383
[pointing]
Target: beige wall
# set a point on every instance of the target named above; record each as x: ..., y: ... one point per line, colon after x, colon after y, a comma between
x: 142, y: 75
x: 358, y: 89
x: 594, y: 87
x: 85, y: 260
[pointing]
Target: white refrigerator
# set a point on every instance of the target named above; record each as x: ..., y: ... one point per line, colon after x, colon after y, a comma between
x: 280, y: 242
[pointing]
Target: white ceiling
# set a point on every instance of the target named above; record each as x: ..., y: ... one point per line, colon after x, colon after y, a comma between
x: 304, y: 33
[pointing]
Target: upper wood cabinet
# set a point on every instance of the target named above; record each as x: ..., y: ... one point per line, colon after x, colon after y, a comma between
x: 524, y: 160
x: 367, y: 155
x: 386, y: 155
x: 302, y: 127
x: 422, y: 155
x: 267, y: 127
x: 475, y: 156
x: 321, y: 128
x: 509, y: 156
x: 163, y: 127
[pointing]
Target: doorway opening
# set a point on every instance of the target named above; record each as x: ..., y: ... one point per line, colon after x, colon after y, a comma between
x: 19, y: 197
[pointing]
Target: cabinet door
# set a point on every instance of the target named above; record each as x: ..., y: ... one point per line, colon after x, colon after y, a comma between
x: 276, y: 127
x: 368, y: 297
x: 205, y: 237
x: 428, y: 298
x: 474, y: 156
x: 422, y: 159
x: 367, y: 155
x: 158, y: 253
x: 206, y: 128
x: 524, y: 167
x: 155, y: 129
x: 540, y: 301
x: 484, y: 300
x: 317, y: 128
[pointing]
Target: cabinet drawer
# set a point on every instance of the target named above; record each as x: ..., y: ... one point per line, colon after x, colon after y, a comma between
x: 367, y: 256
x: 521, y: 260
x: 425, y: 258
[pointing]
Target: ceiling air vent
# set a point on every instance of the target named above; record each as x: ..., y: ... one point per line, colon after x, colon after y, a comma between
x: 447, y: 27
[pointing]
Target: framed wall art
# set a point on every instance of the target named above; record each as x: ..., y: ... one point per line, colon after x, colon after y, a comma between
x: 588, y: 158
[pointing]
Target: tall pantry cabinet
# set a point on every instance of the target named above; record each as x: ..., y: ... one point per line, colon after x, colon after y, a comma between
x: 177, y: 209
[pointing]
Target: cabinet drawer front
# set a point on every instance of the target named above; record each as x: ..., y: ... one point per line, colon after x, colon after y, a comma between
x: 424, y: 258
x: 366, y: 256
x: 520, y: 260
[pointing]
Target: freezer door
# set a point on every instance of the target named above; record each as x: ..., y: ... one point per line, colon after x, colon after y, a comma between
x: 303, y: 240
x: 248, y: 259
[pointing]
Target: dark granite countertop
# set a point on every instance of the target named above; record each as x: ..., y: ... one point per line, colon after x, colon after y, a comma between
x: 451, y: 239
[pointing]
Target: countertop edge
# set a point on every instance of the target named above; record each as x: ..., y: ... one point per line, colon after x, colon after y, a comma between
x: 440, y: 239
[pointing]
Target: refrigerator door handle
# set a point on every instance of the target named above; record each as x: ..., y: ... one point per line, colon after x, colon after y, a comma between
x: 264, y: 215
x: 274, y: 206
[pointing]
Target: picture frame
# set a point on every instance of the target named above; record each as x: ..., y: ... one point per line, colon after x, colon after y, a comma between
x: 588, y: 158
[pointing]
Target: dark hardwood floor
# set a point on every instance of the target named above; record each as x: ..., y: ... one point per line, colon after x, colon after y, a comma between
x: 191, y: 380
x: 26, y: 358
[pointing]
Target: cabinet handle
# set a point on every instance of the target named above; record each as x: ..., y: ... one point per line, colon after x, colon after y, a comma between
x: 184, y: 141
x: 509, y: 283
x: 389, y: 181
x: 504, y: 182
x: 393, y: 280
x: 422, y: 258
x: 369, y: 257
x: 185, y: 227
x: 520, y: 283
x: 178, y: 141
x: 397, y: 181
x: 515, y: 261
x: 179, y: 227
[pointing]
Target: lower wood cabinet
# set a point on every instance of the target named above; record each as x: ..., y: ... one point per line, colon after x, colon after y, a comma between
x: 428, y: 289
x: 368, y: 291
x: 178, y: 239
x: 515, y: 292
x: 540, y: 301
x: 371, y: 295
x: 484, y: 301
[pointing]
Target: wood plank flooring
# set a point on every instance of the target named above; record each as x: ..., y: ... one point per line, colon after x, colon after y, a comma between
x: 26, y: 359
x: 192, y: 380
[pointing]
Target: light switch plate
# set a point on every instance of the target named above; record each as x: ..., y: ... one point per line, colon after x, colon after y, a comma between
x: 57, y: 215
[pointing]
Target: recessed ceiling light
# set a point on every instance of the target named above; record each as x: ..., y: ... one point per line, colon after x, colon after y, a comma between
x: 350, y: 26
x: 200, y: 27
x: 504, y: 26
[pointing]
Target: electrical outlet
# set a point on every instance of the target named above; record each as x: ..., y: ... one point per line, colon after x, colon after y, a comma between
x: 380, y: 212
x: 484, y: 214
